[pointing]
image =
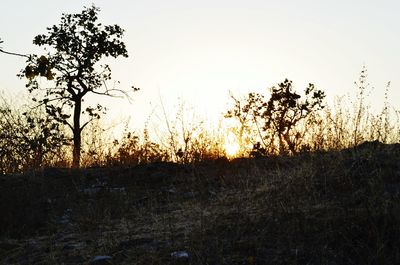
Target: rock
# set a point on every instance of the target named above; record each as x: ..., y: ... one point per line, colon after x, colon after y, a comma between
x: 180, y: 255
x: 101, y: 260
x: 73, y: 246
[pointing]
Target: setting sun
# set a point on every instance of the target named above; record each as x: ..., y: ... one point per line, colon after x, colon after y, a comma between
x: 231, y: 146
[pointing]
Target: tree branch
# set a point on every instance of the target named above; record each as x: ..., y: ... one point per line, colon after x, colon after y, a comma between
x: 108, y: 92
x: 69, y: 125
x: 86, y: 123
x: 50, y: 100
x: 16, y: 54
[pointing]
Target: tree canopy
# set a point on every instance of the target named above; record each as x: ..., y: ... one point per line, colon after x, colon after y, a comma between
x: 74, y: 50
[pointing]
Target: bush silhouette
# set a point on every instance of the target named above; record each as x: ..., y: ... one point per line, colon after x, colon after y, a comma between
x: 28, y: 139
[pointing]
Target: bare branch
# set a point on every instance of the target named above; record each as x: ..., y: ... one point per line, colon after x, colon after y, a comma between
x: 109, y: 92
x: 16, y: 54
x: 69, y: 125
x: 86, y: 123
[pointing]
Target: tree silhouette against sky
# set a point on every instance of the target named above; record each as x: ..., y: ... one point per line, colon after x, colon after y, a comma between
x: 11, y: 53
x: 74, y: 49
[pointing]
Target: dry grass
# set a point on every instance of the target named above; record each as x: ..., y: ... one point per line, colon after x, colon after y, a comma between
x: 315, y: 208
x: 32, y: 141
x: 142, y: 197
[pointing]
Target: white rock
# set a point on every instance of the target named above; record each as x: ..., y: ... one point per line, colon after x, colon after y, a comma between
x: 98, y: 258
x: 180, y: 254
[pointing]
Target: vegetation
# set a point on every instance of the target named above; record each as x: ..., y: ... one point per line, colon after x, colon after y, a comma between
x: 11, y: 53
x: 312, y: 208
x: 308, y: 183
x: 277, y: 118
x: 72, y: 64
x: 330, y: 196
x: 30, y: 139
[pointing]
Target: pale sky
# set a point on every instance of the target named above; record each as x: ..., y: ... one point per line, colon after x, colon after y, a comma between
x: 200, y: 50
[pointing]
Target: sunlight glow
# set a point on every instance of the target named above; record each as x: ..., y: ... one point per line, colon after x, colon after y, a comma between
x: 231, y: 146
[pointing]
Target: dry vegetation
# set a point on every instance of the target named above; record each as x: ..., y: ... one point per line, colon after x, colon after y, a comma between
x: 328, y: 195
x: 313, y: 208
x: 32, y: 140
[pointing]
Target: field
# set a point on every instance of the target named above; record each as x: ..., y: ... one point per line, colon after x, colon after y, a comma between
x: 337, y: 207
x: 97, y: 167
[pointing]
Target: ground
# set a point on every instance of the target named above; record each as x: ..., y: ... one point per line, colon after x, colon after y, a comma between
x: 339, y: 207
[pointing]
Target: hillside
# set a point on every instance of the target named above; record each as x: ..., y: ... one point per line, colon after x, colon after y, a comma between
x: 313, y: 208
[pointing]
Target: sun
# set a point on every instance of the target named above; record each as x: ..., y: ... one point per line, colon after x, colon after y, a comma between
x: 231, y: 146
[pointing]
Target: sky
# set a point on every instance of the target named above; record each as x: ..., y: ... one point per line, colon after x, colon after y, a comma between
x: 197, y: 51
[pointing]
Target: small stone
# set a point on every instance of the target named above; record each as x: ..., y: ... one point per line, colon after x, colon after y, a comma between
x: 180, y: 255
x: 73, y: 246
x: 172, y: 190
x: 101, y: 260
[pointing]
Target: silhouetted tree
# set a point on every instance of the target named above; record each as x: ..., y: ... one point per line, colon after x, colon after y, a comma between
x: 11, y: 53
x: 285, y: 109
x: 74, y: 49
x: 277, y: 117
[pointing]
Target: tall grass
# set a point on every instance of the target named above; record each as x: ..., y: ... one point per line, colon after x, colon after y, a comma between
x: 346, y: 124
x: 30, y: 140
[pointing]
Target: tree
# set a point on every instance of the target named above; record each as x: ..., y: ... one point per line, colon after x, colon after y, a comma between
x: 285, y: 110
x: 11, y: 53
x: 72, y: 65
x: 276, y: 119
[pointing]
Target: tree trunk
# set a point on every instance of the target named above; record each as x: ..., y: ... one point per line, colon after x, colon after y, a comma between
x: 77, y: 133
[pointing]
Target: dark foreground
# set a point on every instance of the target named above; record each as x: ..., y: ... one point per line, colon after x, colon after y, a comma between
x: 322, y: 208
